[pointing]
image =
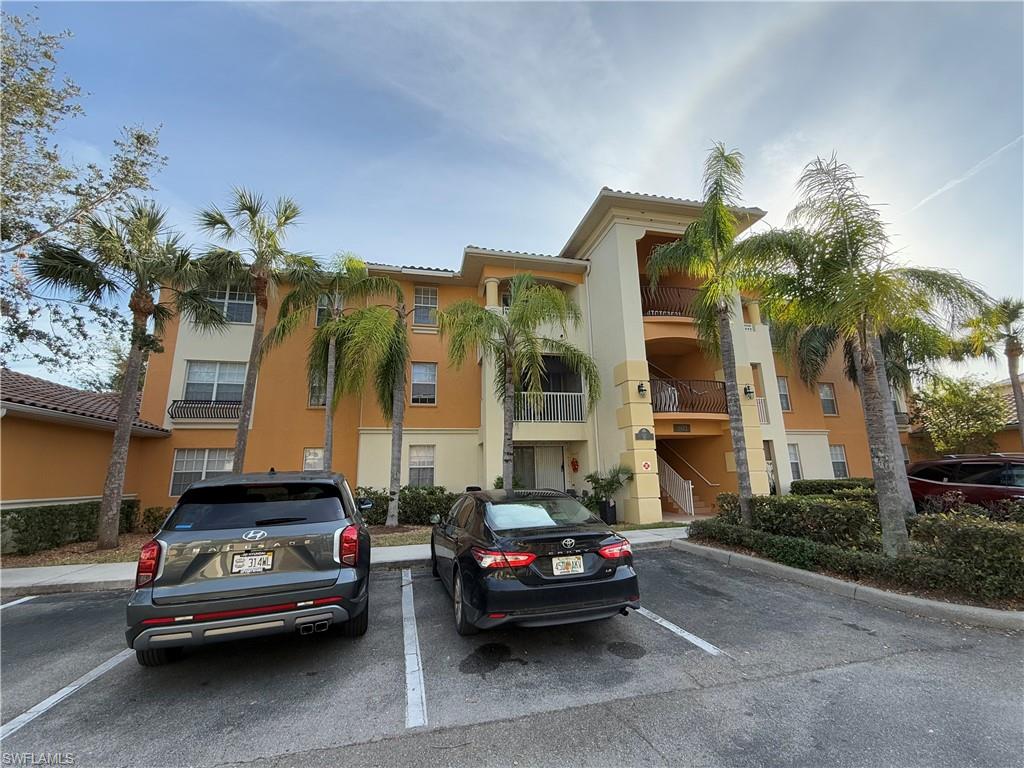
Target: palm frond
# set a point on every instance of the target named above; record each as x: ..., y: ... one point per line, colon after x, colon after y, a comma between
x: 54, y: 266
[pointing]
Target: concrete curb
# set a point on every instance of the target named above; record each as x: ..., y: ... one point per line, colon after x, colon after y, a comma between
x: 919, y: 606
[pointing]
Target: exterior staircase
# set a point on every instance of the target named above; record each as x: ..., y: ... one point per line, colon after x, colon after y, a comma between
x: 670, y: 508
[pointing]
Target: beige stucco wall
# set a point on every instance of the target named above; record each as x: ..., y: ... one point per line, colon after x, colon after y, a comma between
x: 456, y: 456
x: 815, y: 459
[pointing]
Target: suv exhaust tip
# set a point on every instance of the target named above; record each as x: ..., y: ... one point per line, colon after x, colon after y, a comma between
x: 321, y: 626
x: 306, y: 629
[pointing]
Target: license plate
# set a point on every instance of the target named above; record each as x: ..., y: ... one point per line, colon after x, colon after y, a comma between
x: 564, y: 566
x: 252, y: 563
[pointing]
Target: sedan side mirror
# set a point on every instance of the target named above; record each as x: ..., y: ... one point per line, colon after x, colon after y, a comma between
x: 435, y: 519
x: 364, y: 505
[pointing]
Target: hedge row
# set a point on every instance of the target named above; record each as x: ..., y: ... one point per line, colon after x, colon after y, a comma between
x: 415, y: 504
x: 852, y: 524
x: 823, y: 487
x: 31, y: 529
x: 1001, y: 511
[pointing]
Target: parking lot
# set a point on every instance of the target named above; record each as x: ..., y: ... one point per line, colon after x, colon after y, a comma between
x: 725, y: 667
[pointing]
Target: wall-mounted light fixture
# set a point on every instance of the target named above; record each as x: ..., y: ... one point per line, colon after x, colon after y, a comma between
x: 748, y: 391
x: 641, y: 388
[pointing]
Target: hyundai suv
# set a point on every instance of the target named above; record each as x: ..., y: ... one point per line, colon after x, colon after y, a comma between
x: 981, y: 479
x: 250, y: 555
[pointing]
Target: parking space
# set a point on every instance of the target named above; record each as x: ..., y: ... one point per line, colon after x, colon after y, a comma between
x: 793, y: 661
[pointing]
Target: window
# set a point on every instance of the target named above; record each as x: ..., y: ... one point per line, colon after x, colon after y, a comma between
x: 794, y: 462
x: 784, y: 394
x: 981, y: 473
x: 1014, y: 476
x: 317, y: 394
x: 425, y: 306
x: 192, y: 464
x: 246, y: 506
x: 312, y: 458
x: 537, y: 513
x: 941, y: 473
x: 214, y: 382
x: 838, y: 454
x: 421, y: 465
x: 323, y: 310
x: 236, y: 305
x: 827, y: 393
x: 424, y: 383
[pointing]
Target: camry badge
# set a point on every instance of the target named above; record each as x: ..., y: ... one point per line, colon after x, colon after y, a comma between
x: 568, y: 543
x: 254, y: 535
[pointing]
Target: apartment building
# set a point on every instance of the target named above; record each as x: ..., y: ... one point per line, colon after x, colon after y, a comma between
x: 662, y: 412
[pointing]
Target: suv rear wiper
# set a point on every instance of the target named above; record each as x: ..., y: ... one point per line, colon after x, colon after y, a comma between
x: 279, y: 520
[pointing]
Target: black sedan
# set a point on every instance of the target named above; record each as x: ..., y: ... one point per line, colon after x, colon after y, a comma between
x: 532, y: 558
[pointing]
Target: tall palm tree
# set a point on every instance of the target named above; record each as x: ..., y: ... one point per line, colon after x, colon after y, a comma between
x: 515, y: 343
x: 1001, y: 324
x: 251, y: 258
x: 132, y: 254
x: 325, y: 295
x: 706, y: 252
x: 834, y: 268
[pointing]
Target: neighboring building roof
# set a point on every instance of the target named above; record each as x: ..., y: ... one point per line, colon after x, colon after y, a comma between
x: 37, y: 397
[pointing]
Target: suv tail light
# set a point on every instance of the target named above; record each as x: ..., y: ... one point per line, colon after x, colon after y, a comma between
x: 149, y: 561
x: 492, y: 558
x: 616, y: 550
x: 348, y: 546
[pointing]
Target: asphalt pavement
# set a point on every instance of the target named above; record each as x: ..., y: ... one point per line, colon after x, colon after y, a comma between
x: 726, y: 667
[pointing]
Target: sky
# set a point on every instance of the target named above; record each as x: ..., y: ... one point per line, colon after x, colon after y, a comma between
x: 407, y: 131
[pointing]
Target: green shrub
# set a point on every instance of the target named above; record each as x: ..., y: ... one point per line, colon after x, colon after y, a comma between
x: 415, y: 505
x: 151, y: 519
x: 824, y: 487
x: 825, y: 519
x: 1003, y: 510
x: 31, y: 529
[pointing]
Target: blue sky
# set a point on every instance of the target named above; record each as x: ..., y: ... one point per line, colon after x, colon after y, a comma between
x: 406, y: 131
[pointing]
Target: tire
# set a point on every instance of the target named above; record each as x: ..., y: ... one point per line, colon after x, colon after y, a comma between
x: 462, y: 625
x: 433, y: 562
x: 357, y: 627
x: 157, y: 657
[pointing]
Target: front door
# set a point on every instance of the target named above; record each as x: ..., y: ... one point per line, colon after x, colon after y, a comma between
x: 550, y: 470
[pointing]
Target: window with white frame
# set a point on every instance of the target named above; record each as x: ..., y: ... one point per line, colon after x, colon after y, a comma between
x: 325, y: 308
x: 827, y: 395
x: 839, y: 467
x: 193, y: 464
x: 312, y: 458
x: 424, y: 383
x: 211, y: 381
x: 421, y: 465
x: 317, y: 394
x: 784, y: 400
x: 794, y: 461
x: 425, y: 305
x: 237, y: 306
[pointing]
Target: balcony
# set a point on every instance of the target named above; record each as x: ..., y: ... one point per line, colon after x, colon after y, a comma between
x: 667, y: 301
x: 762, y: 410
x: 551, y: 407
x: 688, y: 396
x: 205, y: 410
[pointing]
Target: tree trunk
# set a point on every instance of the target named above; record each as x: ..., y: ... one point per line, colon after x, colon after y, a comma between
x: 507, y: 453
x: 732, y: 399
x: 892, y: 510
x: 249, y: 389
x: 1013, y: 352
x: 113, y: 487
x: 397, y: 427
x: 329, y: 405
x: 898, y: 465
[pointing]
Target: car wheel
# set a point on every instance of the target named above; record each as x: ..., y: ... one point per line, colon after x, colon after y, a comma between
x: 462, y: 625
x: 356, y: 627
x: 157, y: 657
x: 433, y: 562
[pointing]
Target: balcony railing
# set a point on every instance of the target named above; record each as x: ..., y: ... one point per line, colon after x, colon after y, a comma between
x: 205, y: 409
x: 667, y: 301
x: 762, y: 410
x: 551, y: 407
x: 688, y: 396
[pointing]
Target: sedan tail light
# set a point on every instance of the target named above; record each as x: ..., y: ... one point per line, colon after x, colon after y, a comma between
x: 616, y: 550
x: 149, y: 562
x: 348, y: 546
x: 492, y: 558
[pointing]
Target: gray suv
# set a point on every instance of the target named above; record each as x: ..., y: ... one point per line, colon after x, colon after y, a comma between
x: 250, y: 555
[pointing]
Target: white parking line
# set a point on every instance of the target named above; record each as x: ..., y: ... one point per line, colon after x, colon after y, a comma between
x: 704, y: 645
x: 47, y: 704
x: 19, y: 600
x: 415, y: 693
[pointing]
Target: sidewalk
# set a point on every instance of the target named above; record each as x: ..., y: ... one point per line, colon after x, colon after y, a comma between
x: 15, y: 582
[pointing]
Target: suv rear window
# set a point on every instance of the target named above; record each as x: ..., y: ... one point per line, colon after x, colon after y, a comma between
x: 981, y: 473
x: 538, y: 513
x: 938, y: 474
x: 252, y: 506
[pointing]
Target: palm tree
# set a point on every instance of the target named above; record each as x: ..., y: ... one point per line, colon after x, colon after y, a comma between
x: 513, y: 341
x: 1001, y: 324
x: 706, y: 252
x: 834, y: 268
x: 327, y: 291
x: 258, y: 265
x: 132, y: 254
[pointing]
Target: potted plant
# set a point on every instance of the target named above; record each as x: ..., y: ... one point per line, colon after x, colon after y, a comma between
x: 604, y: 488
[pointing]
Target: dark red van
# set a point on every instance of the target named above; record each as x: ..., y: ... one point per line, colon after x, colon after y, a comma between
x: 980, y: 478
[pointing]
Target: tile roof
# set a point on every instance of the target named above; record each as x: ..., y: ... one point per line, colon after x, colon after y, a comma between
x: 684, y: 200
x: 22, y: 389
x: 440, y: 270
x: 503, y: 252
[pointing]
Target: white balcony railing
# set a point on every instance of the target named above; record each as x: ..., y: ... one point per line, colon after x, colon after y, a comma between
x: 677, y: 489
x: 762, y: 410
x: 551, y: 407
